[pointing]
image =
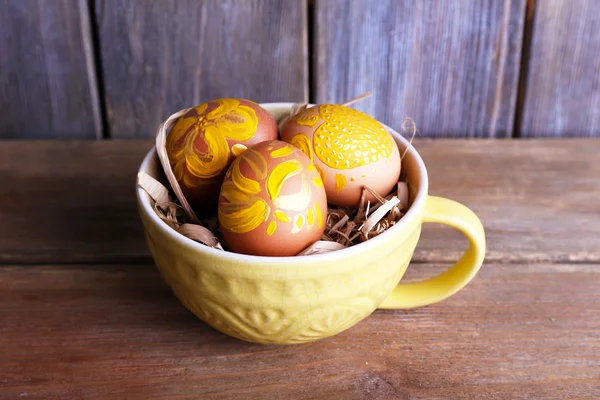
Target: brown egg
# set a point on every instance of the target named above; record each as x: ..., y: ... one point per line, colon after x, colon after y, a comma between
x: 272, y: 202
x: 349, y: 148
x: 200, y: 145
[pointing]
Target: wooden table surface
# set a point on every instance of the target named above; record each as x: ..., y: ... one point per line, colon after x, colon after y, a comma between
x: 84, y: 313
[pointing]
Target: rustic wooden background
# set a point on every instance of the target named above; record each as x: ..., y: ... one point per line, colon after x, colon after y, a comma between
x: 98, y: 69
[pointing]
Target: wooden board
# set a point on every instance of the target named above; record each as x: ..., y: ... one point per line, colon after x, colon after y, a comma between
x: 538, y: 200
x: 562, y: 93
x: 48, y: 79
x: 452, y: 66
x: 70, y: 201
x: 97, y: 332
x: 161, y: 57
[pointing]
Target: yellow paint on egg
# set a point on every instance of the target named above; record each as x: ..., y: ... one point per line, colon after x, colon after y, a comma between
x: 178, y: 170
x: 243, y: 219
x: 281, y: 216
x: 318, y: 215
x: 336, y: 118
x: 257, y: 163
x: 233, y: 194
x: 298, y: 223
x: 210, y: 163
x: 271, y: 228
x: 340, y: 182
x: 297, y: 201
x: 238, y: 149
x: 189, y: 180
x: 321, y: 173
x: 244, y: 211
x: 283, y: 206
x: 282, y: 152
x: 241, y: 182
x: 310, y: 217
x: 307, y: 120
x: 281, y: 173
x: 234, y: 121
x: 302, y: 142
x: 228, y: 120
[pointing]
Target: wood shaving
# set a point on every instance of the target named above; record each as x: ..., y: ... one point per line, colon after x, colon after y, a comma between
x: 322, y: 246
x: 155, y: 189
x: 200, y: 234
x: 341, y: 222
x: 174, y: 215
x: 344, y: 227
x: 403, y: 194
x: 161, y: 150
x: 409, y: 126
x: 378, y: 215
x: 357, y: 99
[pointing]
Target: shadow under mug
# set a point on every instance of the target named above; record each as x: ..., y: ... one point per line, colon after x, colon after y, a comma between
x: 286, y: 300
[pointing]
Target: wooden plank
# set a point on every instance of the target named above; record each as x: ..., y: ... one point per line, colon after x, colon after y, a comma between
x: 160, y: 57
x: 97, y: 332
x: 70, y: 201
x: 539, y: 200
x: 452, y: 66
x: 562, y: 96
x: 48, y: 77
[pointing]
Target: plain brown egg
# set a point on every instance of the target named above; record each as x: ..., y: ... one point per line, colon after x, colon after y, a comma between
x: 272, y: 201
x: 200, y: 145
x: 350, y: 149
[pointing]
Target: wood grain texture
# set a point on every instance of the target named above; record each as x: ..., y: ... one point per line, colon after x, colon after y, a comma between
x: 563, y: 84
x: 452, y: 66
x: 70, y: 201
x: 539, y: 200
x: 97, y: 332
x: 162, y: 56
x: 48, y: 79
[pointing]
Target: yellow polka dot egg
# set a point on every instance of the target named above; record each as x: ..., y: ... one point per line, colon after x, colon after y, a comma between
x: 349, y: 148
x: 272, y: 201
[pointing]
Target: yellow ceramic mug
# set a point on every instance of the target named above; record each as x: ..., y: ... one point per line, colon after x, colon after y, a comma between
x: 301, y: 299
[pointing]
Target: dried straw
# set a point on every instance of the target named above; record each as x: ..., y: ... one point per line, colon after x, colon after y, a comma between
x: 357, y: 99
x: 172, y: 213
x: 322, y: 246
x: 161, y: 149
x: 408, y: 127
x: 343, y: 227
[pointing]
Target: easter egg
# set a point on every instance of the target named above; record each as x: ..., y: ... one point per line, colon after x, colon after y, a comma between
x: 202, y: 143
x: 272, y: 201
x: 349, y: 148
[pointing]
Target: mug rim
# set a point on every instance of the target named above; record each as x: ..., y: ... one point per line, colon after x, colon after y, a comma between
x: 143, y: 200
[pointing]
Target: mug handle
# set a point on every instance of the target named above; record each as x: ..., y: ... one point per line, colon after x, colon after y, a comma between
x: 444, y: 285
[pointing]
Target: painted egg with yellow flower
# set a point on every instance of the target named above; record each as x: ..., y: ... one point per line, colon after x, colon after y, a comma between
x: 272, y: 201
x: 349, y: 148
x: 203, y: 142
